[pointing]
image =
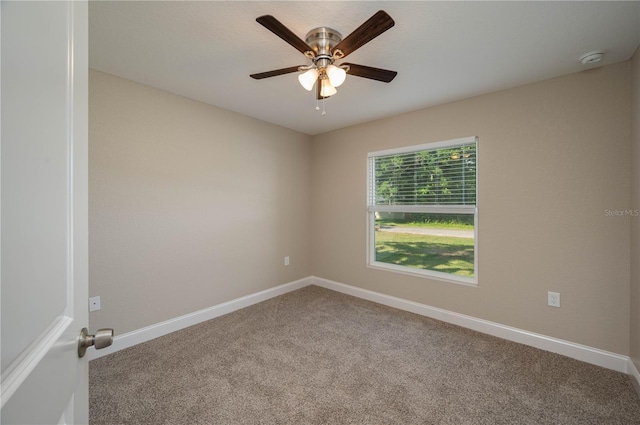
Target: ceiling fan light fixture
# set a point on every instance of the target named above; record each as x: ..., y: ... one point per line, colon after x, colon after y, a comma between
x: 336, y: 75
x: 307, y: 79
x: 327, y: 89
x: 324, y: 46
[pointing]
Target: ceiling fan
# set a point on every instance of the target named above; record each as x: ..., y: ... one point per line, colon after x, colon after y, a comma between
x: 324, y: 46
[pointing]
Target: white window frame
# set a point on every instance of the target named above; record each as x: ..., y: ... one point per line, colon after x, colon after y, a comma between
x: 438, y: 209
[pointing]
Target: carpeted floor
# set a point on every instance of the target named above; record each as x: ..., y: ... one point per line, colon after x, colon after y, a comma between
x: 315, y: 356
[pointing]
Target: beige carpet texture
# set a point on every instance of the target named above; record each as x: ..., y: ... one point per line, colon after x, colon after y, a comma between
x: 315, y: 356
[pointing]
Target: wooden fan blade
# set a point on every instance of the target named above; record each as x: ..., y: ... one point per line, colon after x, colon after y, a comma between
x: 274, y: 73
x: 373, y: 27
x: 276, y: 27
x: 378, y: 74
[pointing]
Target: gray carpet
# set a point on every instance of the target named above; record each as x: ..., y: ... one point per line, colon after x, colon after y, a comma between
x: 315, y: 356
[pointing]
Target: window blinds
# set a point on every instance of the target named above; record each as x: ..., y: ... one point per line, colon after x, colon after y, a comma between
x: 443, y: 176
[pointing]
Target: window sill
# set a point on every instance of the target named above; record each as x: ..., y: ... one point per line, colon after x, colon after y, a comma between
x: 425, y: 274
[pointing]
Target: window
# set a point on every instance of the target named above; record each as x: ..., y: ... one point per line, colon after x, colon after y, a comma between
x: 422, y: 210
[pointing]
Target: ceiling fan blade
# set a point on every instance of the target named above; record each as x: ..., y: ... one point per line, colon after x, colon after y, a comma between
x: 373, y: 27
x: 383, y: 75
x: 318, y: 89
x: 276, y: 27
x: 274, y: 73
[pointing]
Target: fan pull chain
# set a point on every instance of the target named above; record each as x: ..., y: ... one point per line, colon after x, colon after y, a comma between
x: 318, y: 106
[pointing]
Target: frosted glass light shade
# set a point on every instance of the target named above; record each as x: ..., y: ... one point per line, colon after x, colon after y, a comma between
x: 307, y: 79
x: 327, y: 89
x: 336, y: 75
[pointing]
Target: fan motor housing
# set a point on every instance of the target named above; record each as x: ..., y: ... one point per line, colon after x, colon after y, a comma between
x: 322, y: 40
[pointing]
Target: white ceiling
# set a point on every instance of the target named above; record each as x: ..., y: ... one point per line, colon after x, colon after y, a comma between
x: 443, y: 51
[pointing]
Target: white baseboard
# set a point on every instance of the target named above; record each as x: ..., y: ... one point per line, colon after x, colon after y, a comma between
x: 634, y: 375
x: 584, y: 353
x: 148, y: 333
x: 609, y: 360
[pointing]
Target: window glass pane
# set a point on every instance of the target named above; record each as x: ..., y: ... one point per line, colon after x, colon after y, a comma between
x: 439, y: 242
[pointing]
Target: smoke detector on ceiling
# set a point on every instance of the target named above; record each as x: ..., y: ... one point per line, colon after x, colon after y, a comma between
x: 592, y: 57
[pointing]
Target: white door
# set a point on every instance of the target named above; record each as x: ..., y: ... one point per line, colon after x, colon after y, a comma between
x: 44, y: 211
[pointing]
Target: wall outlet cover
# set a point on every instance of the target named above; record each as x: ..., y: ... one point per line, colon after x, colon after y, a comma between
x: 94, y: 303
x: 553, y: 299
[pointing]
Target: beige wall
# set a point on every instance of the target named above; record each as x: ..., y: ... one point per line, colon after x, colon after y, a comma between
x: 553, y: 156
x: 190, y: 205
x: 635, y: 203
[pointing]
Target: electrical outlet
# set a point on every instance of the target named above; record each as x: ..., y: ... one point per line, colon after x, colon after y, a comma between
x: 286, y: 260
x: 94, y: 303
x: 553, y: 299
